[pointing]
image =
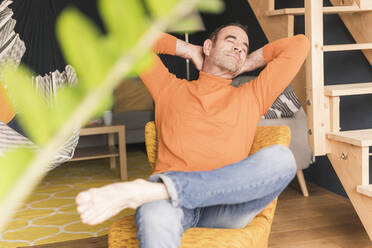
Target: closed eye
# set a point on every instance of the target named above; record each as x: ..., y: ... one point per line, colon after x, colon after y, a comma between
x: 230, y: 40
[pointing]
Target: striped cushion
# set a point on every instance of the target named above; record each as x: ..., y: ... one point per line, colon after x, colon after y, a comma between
x: 285, y: 106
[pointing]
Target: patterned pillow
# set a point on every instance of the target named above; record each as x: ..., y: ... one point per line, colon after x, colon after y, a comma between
x: 285, y: 106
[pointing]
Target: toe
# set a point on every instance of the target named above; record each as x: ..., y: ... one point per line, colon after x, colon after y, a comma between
x: 101, y: 217
x: 83, y: 208
x: 91, y: 219
x: 82, y: 197
x: 89, y: 215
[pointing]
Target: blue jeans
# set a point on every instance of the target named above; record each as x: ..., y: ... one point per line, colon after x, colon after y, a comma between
x: 228, y: 197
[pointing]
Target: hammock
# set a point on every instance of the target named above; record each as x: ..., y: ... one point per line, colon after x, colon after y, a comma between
x: 12, y: 49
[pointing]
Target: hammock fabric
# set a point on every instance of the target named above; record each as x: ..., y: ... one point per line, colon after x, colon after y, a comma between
x: 36, y: 21
x: 36, y: 26
x: 12, y: 49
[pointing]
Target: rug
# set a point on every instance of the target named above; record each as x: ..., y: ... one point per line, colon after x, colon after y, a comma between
x: 49, y: 215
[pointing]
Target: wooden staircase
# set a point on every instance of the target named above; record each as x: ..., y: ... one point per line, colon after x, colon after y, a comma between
x: 348, y: 151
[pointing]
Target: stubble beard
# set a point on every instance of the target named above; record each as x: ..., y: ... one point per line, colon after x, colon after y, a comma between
x: 228, y: 64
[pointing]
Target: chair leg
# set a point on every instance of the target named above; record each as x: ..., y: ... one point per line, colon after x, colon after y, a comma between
x: 302, y: 182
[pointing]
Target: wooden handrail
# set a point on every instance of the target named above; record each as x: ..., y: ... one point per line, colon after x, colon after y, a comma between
x: 347, y: 47
x: 326, y: 10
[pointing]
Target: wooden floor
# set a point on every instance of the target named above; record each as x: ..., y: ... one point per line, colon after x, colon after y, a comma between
x: 323, y: 220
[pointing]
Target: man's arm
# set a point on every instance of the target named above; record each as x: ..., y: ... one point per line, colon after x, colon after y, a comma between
x: 157, y: 76
x: 283, y: 60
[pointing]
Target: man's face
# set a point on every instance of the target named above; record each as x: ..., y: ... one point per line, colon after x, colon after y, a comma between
x: 230, y: 49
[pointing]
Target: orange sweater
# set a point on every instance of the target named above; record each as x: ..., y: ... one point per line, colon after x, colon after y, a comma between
x: 7, y: 111
x: 206, y: 124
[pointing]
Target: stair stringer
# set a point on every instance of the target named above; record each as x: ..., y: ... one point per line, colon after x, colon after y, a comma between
x: 348, y: 161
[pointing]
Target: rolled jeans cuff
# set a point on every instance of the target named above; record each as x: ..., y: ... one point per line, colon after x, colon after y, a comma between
x: 170, y: 185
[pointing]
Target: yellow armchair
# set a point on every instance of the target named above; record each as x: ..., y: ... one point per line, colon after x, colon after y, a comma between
x: 122, y: 233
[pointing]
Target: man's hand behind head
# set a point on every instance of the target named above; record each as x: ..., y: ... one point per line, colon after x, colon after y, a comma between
x: 192, y: 52
x: 197, y: 57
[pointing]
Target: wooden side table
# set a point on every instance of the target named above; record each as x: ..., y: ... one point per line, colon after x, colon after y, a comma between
x: 109, y: 151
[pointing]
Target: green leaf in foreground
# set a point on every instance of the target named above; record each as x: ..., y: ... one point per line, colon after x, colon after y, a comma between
x: 80, y: 42
x: 190, y: 23
x: 144, y: 63
x: 159, y: 8
x: 12, y: 166
x: 211, y: 6
x: 33, y: 112
x: 67, y: 100
x: 126, y: 22
x: 103, y: 106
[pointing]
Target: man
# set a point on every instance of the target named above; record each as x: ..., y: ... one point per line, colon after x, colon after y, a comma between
x: 205, y: 131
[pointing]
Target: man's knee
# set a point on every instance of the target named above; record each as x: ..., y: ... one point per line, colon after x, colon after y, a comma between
x: 159, y: 224
x: 159, y: 215
x: 283, y: 159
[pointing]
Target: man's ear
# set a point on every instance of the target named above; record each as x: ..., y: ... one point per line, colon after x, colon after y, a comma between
x: 207, y: 46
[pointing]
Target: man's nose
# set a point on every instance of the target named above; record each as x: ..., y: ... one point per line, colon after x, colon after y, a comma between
x: 237, y: 49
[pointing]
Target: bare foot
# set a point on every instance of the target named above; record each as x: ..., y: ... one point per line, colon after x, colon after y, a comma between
x: 99, y: 204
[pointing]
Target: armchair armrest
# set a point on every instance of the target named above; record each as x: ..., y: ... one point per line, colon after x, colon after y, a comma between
x: 270, y: 135
x: 151, y: 142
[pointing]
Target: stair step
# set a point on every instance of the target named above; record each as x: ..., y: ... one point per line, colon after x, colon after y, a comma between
x: 326, y: 10
x: 361, y: 137
x: 365, y: 190
x: 348, y: 89
x: 347, y: 47
x: 364, y: 3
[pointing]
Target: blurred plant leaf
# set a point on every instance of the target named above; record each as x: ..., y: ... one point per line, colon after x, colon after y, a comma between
x: 126, y: 22
x: 159, y: 8
x: 211, y: 6
x: 191, y: 23
x: 144, y: 63
x: 12, y: 166
x: 80, y: 42
x: 106, y: 104
x: 67, y: 100
x: 33, y: 112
